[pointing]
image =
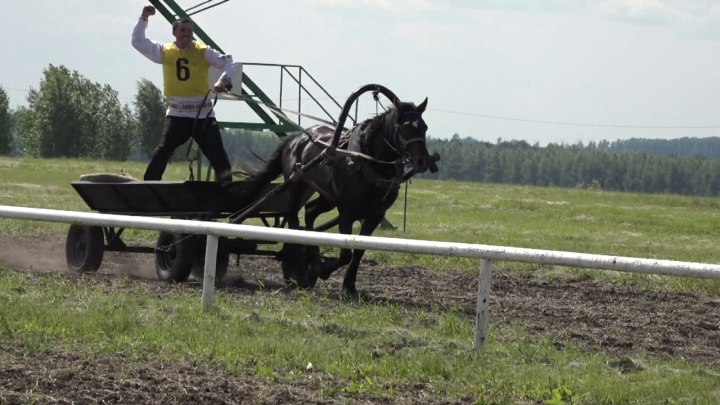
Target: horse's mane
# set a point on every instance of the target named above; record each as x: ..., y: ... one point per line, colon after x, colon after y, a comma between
x: 387, y: 118
x: 380, y: 123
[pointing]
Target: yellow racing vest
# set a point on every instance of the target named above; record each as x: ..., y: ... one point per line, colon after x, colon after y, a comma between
x: 185, y: 71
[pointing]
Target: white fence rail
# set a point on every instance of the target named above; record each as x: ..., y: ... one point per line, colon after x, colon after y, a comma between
x: 486, y: 253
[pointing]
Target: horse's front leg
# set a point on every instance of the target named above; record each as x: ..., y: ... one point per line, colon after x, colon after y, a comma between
x: 345, y: 227
x: 368, y: 227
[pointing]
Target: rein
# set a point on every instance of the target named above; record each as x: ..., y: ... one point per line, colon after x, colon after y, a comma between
x: 278, y: 110
x: 367, y: 171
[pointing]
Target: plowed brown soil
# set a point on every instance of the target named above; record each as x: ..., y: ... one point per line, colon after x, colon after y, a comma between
x: 60, y: 377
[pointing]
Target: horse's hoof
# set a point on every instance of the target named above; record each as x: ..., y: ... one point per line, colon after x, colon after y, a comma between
x: 310, y: 281
x: 350, y: 295
x: 325, y: 271
x: 293, y: 283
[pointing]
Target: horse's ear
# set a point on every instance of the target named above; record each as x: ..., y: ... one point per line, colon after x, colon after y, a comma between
x: 421, y: 107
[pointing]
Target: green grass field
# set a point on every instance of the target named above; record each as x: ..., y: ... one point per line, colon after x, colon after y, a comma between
x: 588, y: 221
x: 273, y: 337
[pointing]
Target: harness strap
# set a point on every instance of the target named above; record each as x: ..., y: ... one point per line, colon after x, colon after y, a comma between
x: 379, y: 181
x: 354, y: 153
x: 366, y: 170
x: 312, y: 138
x: 344, y: 143
x: 301, y: 175
x: 277, y: 110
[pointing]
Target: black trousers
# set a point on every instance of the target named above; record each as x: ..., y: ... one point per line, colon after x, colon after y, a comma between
x: 177, y: 131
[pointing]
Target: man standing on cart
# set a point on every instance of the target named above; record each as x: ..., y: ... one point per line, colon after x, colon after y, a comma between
x: 186, y: 64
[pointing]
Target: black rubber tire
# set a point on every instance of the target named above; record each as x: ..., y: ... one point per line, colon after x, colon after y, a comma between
x: 84, y: 248
x: 175, y: 264
x: 222, y: 262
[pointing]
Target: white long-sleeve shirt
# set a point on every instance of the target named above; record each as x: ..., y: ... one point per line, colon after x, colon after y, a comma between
x: 152, y: 50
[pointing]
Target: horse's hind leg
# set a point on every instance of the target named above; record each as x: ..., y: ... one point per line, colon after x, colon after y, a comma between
x: 314, y: 209
x: 367, y: 228
x: 293, y: 255
x: 292, y: 213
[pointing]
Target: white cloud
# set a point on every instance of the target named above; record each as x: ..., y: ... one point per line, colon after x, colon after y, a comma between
x: 687, y: 13
x: 639, y: 11
x: 518, y: 5
x: 105, y: 22
x: 386, y: 4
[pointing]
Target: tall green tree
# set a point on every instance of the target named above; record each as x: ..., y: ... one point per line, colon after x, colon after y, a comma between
x: 71, y: 116
x: 6, y: 123
x: 117, y: 127
x: 52, y: 125
x: 150, y: 108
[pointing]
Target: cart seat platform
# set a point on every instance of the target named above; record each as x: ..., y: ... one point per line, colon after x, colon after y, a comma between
x: 168, y: 198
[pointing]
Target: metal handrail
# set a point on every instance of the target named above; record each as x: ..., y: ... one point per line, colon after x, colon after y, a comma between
x: 178, y: 12
x: 284, y: 68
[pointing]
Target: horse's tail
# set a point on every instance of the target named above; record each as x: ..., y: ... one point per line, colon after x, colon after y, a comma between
x: 254, y: 181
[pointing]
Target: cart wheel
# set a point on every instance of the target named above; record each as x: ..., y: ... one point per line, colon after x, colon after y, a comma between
x: 174, y: 256
x: 222, y: 262
x: 84, y: 248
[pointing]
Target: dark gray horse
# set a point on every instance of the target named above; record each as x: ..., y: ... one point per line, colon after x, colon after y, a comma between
x: 361, y: 180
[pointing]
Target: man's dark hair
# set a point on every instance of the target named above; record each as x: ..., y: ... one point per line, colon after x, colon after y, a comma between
x: 181, y: 20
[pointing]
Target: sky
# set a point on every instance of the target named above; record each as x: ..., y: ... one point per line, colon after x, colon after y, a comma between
x: 484, y: 65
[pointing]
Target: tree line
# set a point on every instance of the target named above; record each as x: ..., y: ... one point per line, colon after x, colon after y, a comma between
x: 69, y: 115
x: 517, y: 162
x: 684, y: 146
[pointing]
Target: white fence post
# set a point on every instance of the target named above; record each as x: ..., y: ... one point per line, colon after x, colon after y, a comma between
x: 211, y: 248
x: 482, y: 314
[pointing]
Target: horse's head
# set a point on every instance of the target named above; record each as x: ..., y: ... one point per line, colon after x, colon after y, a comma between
x: 410, y: 131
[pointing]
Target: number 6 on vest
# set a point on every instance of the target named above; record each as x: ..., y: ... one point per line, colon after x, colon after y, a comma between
x: 183, y: 72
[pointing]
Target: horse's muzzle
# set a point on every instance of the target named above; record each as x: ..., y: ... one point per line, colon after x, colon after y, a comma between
x: 420, y: 164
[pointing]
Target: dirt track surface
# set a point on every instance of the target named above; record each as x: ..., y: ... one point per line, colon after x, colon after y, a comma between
x: 594, y: 314
x: 59, y: 377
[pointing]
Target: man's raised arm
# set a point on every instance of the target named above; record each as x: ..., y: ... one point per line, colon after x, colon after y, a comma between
x: 220, y: 61
x: 151, y: 49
